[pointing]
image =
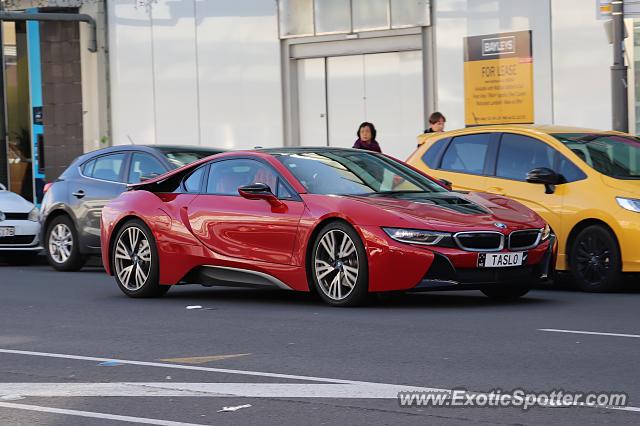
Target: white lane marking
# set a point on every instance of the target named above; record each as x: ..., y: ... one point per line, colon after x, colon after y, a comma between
x: 248, y: 373
x: 93, y: 415
x: 244, y: 390
x: 219, y: 390
x: 555, y: 330
x: 183, y: 367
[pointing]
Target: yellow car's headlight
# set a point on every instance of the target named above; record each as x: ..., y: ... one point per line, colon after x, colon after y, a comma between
x: 629, y: 204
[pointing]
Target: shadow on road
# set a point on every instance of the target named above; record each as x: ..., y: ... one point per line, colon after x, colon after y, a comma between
x: 471, y: 299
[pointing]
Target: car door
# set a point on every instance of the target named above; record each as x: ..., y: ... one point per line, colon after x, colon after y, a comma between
x: 517, y: 155
x: 465, y: 160
x: 246, y: 229
x: 101, y: 180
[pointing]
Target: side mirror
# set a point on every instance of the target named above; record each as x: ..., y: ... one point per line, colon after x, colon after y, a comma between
x: 545, y: 176
x: 447, y: 184
x: 260, y: 191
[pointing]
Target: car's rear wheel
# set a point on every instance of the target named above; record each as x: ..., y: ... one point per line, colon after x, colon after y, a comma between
x: 505, y: 292
x: 339, y: 267
x: 594, y: 259
x: 62, y: 247
x: 135, y: 261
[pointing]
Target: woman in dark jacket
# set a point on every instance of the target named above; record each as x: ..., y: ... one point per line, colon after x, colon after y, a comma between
x: 367, y: 138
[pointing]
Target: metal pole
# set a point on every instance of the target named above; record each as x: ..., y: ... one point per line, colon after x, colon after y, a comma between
x: 4, y: 149
x: 619, y: 94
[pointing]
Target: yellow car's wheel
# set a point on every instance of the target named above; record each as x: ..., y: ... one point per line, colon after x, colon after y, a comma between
x: 595, y: 260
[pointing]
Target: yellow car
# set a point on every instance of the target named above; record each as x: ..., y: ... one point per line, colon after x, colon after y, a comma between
x: 584, y: 183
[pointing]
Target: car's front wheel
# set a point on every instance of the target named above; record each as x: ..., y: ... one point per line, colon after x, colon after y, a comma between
x: 135, y: 261
x: 594, y: 259
x: 339, y: 267
x: 62, y: 246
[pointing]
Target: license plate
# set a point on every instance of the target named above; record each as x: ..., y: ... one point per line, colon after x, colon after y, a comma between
x: 7, y: 231
x: 501, y: 260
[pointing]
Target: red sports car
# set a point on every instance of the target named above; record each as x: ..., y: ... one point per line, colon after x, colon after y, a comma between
x: 341, y: 222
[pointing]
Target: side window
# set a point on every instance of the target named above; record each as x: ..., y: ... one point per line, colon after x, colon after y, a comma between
x: 87, y: 168
x: 283, y: 191
x: 144, y: 166
x: 467, y: 153
x: 225, y: 177
x: 108, y: 167
x: 430, y: 157
x: 569, y: 171
x: 519, y: 154
x: 193, y: 183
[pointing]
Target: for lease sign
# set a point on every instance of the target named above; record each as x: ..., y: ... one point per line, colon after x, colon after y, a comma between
x: 498, y: 79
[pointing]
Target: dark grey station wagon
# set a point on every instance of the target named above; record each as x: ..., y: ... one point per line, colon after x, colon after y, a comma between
x: 71, y: 208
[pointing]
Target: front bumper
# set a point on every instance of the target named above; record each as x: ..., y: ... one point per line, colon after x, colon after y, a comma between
x: 443, y: 275
x: 26, y: 238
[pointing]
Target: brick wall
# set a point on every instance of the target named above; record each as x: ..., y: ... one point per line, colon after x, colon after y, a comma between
x: 61, y: 95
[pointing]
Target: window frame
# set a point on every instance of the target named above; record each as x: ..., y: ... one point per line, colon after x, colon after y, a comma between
x: 123, y: 176
x: 295, y: 196
x: 490, y: 158
x: 130, y: 163
x: 439, y: 152
x: 556, y: 168
x: 557, y: 156
x: 182, y: 188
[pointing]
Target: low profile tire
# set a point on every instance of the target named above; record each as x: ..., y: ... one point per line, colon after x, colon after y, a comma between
x: 505, y: 293
x: 595, y: 261
x: 134, y: 259
x: 339, y: 268
x: 62, y: 246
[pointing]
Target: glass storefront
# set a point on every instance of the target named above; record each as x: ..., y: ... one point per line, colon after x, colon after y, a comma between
x: 317, y: 17
x: 18, y: 108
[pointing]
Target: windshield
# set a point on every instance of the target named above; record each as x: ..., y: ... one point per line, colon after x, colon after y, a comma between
x: 617, y: 156
x: 180, y: 157
x: 354, y: 173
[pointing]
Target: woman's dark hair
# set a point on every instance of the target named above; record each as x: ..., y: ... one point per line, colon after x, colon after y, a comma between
x: 435, y: 117
x: 371, y: 127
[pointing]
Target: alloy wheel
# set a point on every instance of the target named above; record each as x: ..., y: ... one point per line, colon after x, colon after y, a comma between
x: 60, y: 243
x: 593, y: 259
x: 336, y: 265
x: 132, y: 258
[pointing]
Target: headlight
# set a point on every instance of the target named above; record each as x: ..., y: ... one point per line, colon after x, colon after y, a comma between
x: 34, y: 215
x: 416, y: 236
x: 546, y: 231
x: 629, y: 204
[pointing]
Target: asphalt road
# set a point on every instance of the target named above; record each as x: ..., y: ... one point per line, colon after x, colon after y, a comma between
x: 296, y: 361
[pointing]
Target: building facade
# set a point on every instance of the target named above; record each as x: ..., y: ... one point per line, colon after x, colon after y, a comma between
x: 238, y: 74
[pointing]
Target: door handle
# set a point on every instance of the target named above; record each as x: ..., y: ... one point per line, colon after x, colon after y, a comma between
x: 496, y: 190
x: 78, y: 194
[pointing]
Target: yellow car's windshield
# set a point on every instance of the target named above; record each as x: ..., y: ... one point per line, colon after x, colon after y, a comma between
x: 617, y: 156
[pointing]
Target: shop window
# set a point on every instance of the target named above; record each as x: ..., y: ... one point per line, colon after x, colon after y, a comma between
x: 370, y: 14
x: 332, y: 16
x: 409, y: 13
x: 313, y: 17
x: 296, y: 17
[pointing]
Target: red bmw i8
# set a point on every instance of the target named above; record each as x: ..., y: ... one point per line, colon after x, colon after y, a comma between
x: 341, y: 222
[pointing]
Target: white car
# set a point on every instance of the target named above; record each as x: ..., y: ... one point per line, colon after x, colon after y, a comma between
x: 19, y: 228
